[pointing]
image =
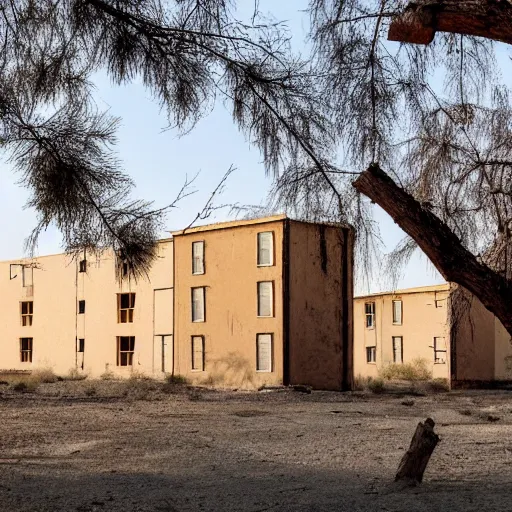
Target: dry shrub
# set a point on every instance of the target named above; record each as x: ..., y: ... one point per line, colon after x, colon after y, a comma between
x: 376, y: 385
x: 26, y: 385
x: 107, y: 375
x: 44, y: 376
x: 75, y: 374
x: 176, y: 379
x: 439, y: 385
x: 419, y: 369
x: 90, y: 390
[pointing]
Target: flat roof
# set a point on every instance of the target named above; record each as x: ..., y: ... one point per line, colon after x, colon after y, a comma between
x: 444, y: 287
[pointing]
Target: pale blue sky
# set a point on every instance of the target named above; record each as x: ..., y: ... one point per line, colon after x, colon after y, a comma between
x: 159, y: 160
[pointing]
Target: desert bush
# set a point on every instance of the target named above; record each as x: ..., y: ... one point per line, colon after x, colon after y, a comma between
x: 27, y: 385
x: 439, y: 385
x: 376, y: 385
x: 138, y: 375
x: 90, y: 390
x: 416, y: 370
x: 43, y: 376
x: 107, y: 375
x: 75, y: 374
x: 176, y: 379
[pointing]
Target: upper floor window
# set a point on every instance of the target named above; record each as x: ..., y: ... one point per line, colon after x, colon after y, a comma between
x: 369, y: 311
x: 198, y: 257
x: 198, y: 304
x: 397, y: 312
x: 82, y: 266
x: 81, y: 307
x: 265, y: 249
x: 125, y: 307
x: 266, y: 298
x: 27, y: 310
x: 28, y: 275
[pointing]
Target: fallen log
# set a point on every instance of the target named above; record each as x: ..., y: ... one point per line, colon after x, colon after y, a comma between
x: 415, y: 460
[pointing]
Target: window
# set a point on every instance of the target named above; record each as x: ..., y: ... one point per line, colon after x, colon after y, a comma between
x: 439, y: 350
x: 82, y: 267
x: 398, y: 349
x: 369, y: 310
x: 397, y: 312
x: 125, y: 306
x: 81, y: 307
x: 28, y: 276
x: 197, y: 257
x: 26, y: 350
x: 264, y: 352
x: 126, y: 268
x: 80, y: 346
x: 198, y: 353
x: 265, y: 249
x: 125, y: 349
x: 371, y: 354
x: 27, y: 310
x: 266, y: 298
x: 198, y: 309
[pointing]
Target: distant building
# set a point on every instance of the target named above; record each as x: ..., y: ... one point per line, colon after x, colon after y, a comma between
x: 444, y: 325
x: 244, y: 303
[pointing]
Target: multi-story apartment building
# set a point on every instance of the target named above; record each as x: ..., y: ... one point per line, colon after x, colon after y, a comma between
x: 444, y: 325
x: 245, y: 303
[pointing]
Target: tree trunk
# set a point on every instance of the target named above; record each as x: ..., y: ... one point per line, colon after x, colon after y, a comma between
x: 420, y: 21
x: 415, y: 460
x: 439, y: 243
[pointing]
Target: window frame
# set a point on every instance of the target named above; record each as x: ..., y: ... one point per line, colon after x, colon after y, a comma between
x: 393, y: 319
x: 192, y: 347
x: 371, y: 350
x: 195, y: 272
x: 82, y: 266
x: 80, y: 345
x: 401, y: 338
x: 130, y: 353
x: 30, y: 277
x: 130, y: 310
x: 192, y: 309
x: 81, y: 310
x: 271, y: 252
x: 369, y: 315
x: 258, y: 284
x: 26, y: 352
x: 436, y: 350
x: 27, y: 319
x: 271, y: 334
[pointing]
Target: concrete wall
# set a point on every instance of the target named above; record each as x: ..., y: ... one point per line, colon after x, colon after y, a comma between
x: 232, y: 323
x: 503, y: 352
x: 57, y: 287
x: 424, y: 316
x: 316, y: 292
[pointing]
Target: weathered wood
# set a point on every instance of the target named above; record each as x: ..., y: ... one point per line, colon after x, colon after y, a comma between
x: 415, y: 460
x: 439, y: 243
x: 420, y: 21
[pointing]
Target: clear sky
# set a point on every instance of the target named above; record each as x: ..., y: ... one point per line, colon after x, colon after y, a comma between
x: 159, y: 161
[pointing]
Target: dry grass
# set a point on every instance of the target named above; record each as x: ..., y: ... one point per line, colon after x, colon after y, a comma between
x: 375, y: 385
x: 413, y: 371
x: 75, y: 374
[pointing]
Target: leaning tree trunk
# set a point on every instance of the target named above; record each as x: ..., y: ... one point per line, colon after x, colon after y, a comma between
x: 420, y: 21
x: 439, y: 243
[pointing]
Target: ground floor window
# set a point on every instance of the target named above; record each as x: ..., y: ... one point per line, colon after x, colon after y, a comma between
x: 125, y: 349
x: 26, y: 350
x: 439, y: 350
x: 398, y: 349
x: 198, y: 353
x: 371, y: 354
x: 264, y: 352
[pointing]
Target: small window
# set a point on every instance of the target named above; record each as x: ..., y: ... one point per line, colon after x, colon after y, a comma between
x: 398, y: 349
x: 26, y: 350
x: 198, y: 304
x: 28, y: 276
x: 81, y: 307
x: 198, y: 353
x: 27, y: 311
x: 126, y: 268
x: 265, y: 249
x: 266, y: 298
x: 264, y: 352
x: 369, y: 310
x: 440, y: 350
x: 197, y: 257
x: 397, y: 312
x: 80, y: 346
x: 125, y: 349
x: 125, y: 307
x: 371, y: 354
x: 82, y: 266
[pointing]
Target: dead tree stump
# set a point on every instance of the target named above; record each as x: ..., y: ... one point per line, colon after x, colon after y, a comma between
x: 415, y: 460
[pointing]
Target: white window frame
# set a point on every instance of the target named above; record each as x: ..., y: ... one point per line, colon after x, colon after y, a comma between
x: 374, y: 352
x: 202, y: 291
x: 271, y: 249
x: 270, y: 339
x: 259, y: 286
x: 397, y: 321
x: 393, y: 339
x: 198, y: 269
x: 369, y: 315
x: 193, y: 340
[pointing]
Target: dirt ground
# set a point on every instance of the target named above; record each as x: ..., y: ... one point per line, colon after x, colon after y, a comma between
x: 141, y: 448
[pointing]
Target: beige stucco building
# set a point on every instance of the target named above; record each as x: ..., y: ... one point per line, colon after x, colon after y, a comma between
x: 245, y: 303
x: 444, y: 325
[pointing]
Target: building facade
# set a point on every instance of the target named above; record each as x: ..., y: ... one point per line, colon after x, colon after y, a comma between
x: 444, y: 325
x: 240, y: 304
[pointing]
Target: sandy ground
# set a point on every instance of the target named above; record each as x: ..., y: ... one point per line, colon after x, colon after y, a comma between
x: 61, y: 450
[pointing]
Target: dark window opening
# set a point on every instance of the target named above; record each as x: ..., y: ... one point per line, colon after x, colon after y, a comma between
x: 82, y: 266
x: 81, y: 307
